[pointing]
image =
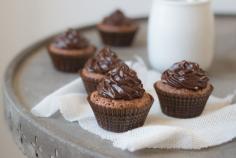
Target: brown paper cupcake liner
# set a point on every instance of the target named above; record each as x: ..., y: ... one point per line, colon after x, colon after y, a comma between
x: 182, y: 106
x: 90, y: 84
x: 117, y: 38
x: 68, y: 63
x: 119, y: 120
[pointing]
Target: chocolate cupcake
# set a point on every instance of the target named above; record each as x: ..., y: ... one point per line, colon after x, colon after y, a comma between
x: 120, y: 102
x: 70, y: 51
x: 97, y: 67
x: 183, y: 90
x: 117, y: 29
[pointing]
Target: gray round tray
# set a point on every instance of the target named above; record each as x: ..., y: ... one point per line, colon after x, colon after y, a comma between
x: 30, y: 77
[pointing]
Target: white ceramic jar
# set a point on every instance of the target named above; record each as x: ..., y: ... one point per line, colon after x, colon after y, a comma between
x: 180, y: 30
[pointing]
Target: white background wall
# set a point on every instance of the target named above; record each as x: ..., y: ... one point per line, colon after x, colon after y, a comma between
x: 23, y: 22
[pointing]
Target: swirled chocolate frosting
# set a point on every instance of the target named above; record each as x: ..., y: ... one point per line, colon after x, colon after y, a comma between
x: 117, y: 18
x: 187, y: 75
x: 121, y: 83
x: 104, y: 61
x: 71, y: 39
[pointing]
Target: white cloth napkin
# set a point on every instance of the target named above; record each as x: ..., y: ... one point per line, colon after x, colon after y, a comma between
x: 215, y: 126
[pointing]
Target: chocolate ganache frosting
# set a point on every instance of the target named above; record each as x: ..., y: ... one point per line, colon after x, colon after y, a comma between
x: 71, y: 39
x: 117, y: 19
x: 187, y: 75
x: 104, y: 61
x: 121, y: 83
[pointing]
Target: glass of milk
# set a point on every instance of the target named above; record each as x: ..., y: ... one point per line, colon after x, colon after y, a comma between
x: 180, y: 30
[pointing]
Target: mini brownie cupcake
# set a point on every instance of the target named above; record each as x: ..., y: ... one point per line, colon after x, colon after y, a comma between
x: 117, y: 29
x: 120, y: 102
x: 183, y: 90
x: 97, y: 67
x: 70, y: 51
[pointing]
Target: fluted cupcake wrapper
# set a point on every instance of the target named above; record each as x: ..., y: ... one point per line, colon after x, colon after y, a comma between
x: 68, y: 63
x: 182, y: 106
x: 119, y: 120
x: 117, y: 38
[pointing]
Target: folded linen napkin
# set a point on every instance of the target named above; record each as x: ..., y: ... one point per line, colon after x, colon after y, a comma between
x: 215, y: 126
